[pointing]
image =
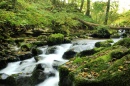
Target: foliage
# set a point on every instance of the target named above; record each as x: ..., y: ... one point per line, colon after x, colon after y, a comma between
x: 98, y: 13
x: 55, y: 39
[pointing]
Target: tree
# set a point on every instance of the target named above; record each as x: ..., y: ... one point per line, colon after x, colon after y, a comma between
x: 97, y: 11
x: 88, y: 8
x: 81, y: 6
x: 107, y: 12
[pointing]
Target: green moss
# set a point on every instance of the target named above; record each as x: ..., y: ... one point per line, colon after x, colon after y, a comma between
x: 106, y: 43
x: 100, y: 69
x: 124, y: 42
x: 55, y: 39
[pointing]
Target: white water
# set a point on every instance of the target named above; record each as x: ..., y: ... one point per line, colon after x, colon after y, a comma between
x: 27, y: 66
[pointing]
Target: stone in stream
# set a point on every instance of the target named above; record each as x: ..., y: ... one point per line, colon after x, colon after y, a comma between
x: 69, y: 54
x: 51, y: 50
x: 36, y: 51
x: 3, y: 64
x: 24, y: 55
x: 56, y: 64
x: 39, y: 75
x: 38, y: 58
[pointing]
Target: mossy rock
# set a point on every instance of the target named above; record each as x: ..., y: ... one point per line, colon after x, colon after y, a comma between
x: 124, y: 42
x: 36, y: 51
x: 102, y: 32
x: 54, y: 39
x: 98, y: 69
x: 25, y: 48
x: 106, y: 43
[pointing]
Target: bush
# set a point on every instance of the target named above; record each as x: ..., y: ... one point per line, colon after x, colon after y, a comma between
x: 55, y: 39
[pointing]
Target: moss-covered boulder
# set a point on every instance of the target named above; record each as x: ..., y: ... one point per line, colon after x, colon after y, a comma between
x: 54, y: 39
x: 35, y: 51
x: 51, y: 50
x: 101, y: 32
x: 106, y: 43
x: 124, y: 42
x: 98, y: 69
x: 69, y: 54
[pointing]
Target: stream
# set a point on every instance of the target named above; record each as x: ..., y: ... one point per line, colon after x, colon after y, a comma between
x: 27, y: 66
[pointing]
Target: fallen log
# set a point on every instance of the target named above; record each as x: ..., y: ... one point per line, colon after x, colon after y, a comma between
x: 95, y: 25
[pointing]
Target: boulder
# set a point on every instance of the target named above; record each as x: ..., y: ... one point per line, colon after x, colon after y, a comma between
x: 36, y: 51
x: 3, y: 64
x: 69, y: 54
x: 56, y: 64
x: 38, y: 58
x: 51, y: 50
x: 24, y: 55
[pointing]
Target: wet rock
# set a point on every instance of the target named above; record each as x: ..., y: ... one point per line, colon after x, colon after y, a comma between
x: 13, y: 59
x: 3, y: 76
x: 51, y: 74
x: 38, y: 58
x: 6, y: 80
x: 23, y: 80
x: 51, y: 50
x: 56, y: 64
x: 69, y: 54
x: 36, y: 51
x: 38, y: 74
x: 24, y: 56
x: 25, y: 48
x: 3, y: 64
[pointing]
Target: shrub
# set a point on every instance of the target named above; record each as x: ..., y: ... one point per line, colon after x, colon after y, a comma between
x: 55, y: 39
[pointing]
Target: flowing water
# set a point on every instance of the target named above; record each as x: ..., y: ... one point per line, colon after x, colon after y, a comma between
x: 27, y: 66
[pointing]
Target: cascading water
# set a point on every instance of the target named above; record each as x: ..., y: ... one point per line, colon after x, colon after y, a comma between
x: 27, y: 66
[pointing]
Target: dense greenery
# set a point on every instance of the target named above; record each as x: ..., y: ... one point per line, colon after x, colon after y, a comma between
x: 108, y: 67
x: 54, y: 39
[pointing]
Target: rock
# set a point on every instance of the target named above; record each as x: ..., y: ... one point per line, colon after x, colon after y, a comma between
x: 36, y: 51
x: 24, y: 56
x: 38, y: 58
x: 67, y: 40
x: 25, y: 48
x: 51, y: 50
x: 3, y: 76
x: 24, y: 80
x: 3, y: 64
x: 56, y: 64
x: 6, y: 80
x: 69, y: 54
x: 38, y: 74
x: 13, y: 59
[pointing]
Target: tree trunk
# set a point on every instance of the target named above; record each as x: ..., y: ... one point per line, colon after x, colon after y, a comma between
x: 89, y: 24
x: 107, y: 12
x: 81, y: 6
x: 88, y: 8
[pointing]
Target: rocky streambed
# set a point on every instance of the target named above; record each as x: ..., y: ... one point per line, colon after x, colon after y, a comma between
x: 41, y: 69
